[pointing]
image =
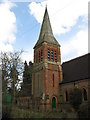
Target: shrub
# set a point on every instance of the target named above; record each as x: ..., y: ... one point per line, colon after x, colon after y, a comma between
x: 75, y: 98
x: 83, y: 111
x: 6, y: 111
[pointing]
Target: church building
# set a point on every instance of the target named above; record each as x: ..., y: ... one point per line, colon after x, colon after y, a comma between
x: 51, y: 81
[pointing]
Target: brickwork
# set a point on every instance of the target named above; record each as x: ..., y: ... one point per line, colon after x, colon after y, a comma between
x: 44, y: 48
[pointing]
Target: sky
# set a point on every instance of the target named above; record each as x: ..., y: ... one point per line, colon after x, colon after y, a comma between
x: 20, y: 24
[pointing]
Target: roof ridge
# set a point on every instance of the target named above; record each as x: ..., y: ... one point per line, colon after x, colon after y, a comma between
x: 78, y: 57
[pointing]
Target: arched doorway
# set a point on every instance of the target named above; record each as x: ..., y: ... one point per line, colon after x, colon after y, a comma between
x: 53, y: 103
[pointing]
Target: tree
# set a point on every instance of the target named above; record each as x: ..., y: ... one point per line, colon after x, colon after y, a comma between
x: 27, y: 74
x: 4, y: 73
x: 26, y: 89
x: 4, y: 70
x: 30, y: 70
x: 75, y: 98
x: 12, y: 70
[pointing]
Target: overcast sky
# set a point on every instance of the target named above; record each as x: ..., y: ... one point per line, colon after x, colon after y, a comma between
x: 20, y: 24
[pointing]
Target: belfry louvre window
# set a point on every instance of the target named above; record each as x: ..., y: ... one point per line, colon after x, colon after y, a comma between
x: 55, y: 56
x: 52, y: 55
x: 36, y: 57
x: 39, y: 56
x: 48, y: 54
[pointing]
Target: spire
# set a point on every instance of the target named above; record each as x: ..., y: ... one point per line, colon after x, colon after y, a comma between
x: 46, y: 34
x: 46, y: 26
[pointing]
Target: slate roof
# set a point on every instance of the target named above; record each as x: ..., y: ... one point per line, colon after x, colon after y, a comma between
x: 46, y: 34
x: 76, y: 69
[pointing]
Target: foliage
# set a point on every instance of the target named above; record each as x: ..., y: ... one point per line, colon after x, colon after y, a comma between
x: 27, y: 74
x: 83, y: 111
x: 75, y: 98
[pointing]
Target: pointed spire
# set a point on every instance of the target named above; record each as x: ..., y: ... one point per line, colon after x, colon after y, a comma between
x: 46, y: 26
x: 46, y: 31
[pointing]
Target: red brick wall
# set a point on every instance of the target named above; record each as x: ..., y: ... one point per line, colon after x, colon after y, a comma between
x: 47, y: 68
x: 52, y: 69
x: 70, y: 86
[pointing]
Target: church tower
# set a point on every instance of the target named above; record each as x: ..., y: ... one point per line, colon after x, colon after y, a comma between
x: 47, y: 71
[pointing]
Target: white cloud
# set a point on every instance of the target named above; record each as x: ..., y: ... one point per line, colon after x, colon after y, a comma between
x: 28, y: 55
x: 7, y: 26
x: 6, y: 47
x: 63, y: 13
x: 37, y: 10
x: 77, y: 45
x: 24, y: 0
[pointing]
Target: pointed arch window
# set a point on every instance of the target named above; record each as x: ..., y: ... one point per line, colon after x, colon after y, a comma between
x: 85, y: 94
x: 66, y: 95
x: 48, y: 55
x: 53, y: 80
x: 39, y: 56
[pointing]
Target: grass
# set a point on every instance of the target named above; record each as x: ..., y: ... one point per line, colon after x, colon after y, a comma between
x: 25, y: 113
x: 21, y: 113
